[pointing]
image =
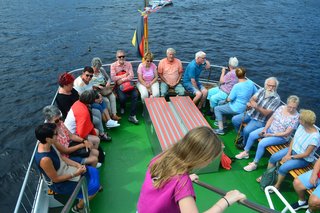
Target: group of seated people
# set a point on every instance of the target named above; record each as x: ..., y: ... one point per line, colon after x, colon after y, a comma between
x: 87, y: 104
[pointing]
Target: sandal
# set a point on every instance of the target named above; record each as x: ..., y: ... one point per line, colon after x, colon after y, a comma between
x: 259, y: 179
x: 105, y: 137
x: 76, y: 209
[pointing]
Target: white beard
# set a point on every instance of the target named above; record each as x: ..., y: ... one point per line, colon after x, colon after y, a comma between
x: 269, y: 93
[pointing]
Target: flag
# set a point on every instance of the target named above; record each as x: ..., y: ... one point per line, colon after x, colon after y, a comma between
x: 138, y: 39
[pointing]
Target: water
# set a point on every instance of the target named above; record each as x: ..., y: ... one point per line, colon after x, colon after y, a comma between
x: 40, y: 39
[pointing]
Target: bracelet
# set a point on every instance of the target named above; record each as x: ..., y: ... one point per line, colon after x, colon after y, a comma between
x: 226, y: 201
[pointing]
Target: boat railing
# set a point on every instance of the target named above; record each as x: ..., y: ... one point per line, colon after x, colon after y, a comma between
x: 82, y: 184
x: 270, y: 189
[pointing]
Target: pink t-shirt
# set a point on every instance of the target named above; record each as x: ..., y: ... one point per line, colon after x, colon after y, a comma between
x: 147, y: 73
x: 63, y: 137
x: 170, y: 70
x: 166, y: 198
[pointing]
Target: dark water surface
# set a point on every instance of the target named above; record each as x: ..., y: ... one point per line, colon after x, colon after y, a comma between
x: 40, y: 39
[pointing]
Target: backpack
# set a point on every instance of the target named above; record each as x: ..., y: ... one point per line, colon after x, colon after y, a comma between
x: 269, y: 177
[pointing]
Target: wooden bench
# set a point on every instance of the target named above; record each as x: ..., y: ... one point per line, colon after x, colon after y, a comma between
x: 167, y: 122
x: 295, y: 172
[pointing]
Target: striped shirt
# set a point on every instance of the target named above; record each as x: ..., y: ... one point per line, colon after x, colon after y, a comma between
x: 303, y: 139
x: 270, y: 103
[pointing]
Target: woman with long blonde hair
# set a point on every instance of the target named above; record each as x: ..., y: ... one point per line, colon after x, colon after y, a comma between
x: 168, y: 185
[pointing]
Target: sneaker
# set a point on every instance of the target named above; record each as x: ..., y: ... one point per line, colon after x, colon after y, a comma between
x: 76, y: 209
x: 98, y: 165
x: 116, y: 117
x: 122, y: 111
x: 252, y: 166
x: 218, y: 131
x: 105, y: 137
x: 296, y: 206
x: 217, y: 125
x: 133, y: 119
x: 111, y: 123
x: 242, y: 155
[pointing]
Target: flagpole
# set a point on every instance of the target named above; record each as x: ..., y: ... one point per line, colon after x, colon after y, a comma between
x: 146, y: 42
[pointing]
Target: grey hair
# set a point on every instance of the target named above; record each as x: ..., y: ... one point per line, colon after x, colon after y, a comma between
x: 200, y: 54
x: 87, y: 97
x: 120, y: 51
x: 50, y: 112
x: 171, y: 50
x: 233, y: 61
x: 293, y: 99
x: 272, y: 79
x: 96, y: 62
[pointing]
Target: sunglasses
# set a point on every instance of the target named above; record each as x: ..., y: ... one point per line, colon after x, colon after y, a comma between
x: 149, y: 61
x: 57, y: 120
x: 121, y: 56
x: 89, y: 75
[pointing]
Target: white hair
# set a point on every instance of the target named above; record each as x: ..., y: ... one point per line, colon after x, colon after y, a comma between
x: 200, y: 54
x: 171, y: 50
x: 233, y: 62
x: 272, y: 79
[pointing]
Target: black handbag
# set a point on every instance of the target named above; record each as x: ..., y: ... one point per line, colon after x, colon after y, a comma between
x: 83, y: 152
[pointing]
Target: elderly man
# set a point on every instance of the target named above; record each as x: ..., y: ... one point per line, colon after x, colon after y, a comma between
x: 260, y: 107
x: 122, y: 66
x: 226, y: 81
x: 191, y: 78
x: 170, y: 71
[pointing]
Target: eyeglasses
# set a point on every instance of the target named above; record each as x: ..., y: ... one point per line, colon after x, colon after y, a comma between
x: 57, y: 120
x: 121, y: 56
x: 88, y: 75
x: 271, y: 85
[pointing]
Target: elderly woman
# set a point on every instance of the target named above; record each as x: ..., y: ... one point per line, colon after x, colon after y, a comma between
x: 226, y: 81
x: 237, y: 99
x: 148, y: 77
x: 102, y: 81
x: 78, y: 120
x: 301, y: 151
x: 60, y: 173
x: 277, y: 131
x: 53, y: 115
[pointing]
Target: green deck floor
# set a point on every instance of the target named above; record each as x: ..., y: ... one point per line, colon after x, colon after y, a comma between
x: 127, y: 158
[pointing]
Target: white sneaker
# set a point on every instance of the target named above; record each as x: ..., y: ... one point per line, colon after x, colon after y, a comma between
x: 111, y: 123
x: 133, y: 119
x: 122, y: 111
x: 252, y: 166
x: 98, y: 165
x: 242, y: 155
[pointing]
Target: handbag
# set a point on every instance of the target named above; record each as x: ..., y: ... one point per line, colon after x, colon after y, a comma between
x: 83, y: 152
x: 126, y: 86
x: 269, y: 177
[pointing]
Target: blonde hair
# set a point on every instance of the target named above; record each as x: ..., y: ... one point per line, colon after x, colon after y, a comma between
x: 148, y: 55
x: 293, y: 99
x: 308, y: 116
x: 196, y: 149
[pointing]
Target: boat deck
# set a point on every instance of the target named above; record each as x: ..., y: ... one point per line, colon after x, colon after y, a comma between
x: 129, y: 153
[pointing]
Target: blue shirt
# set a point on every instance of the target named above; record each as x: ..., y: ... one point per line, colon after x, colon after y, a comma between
x: 240, y: 95
x: 193, y: 70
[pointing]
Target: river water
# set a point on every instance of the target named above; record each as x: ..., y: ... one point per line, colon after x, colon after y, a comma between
x: 40, y: 39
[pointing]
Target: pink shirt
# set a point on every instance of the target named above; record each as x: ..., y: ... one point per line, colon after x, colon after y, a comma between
x: 63, y: 136
x: 230, y: 79
x: 166, y: 198
x: 116, y: 67
x: 170, y: 70
x: 147, y: 73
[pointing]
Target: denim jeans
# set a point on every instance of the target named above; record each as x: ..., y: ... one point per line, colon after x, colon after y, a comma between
x: 179, y: 89
x: 263, y: 144
x: 215, y: 95
x: 134, y: 100
x: 221, y: 110
x: 252, y: 125
x: 288, y: 165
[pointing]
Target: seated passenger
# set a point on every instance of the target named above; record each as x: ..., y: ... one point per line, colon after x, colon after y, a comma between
x: 237, y: 99
x: 260, y: 107
x: 60, y: 173
x: 308, y: 180
x: 102, y: 81
x: 53, y: 115
x: 78, y: 120
x: 83, y: 83
x: 191, y: 80
x: 226, y: 82
x: 300, y: 152
x: 170, y: 71
x: 168, y: 182
x: 148, y: 84
x: 100, y: 105
x: 121, y: 65
x: 67, y: 95
x: 277, y: 131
